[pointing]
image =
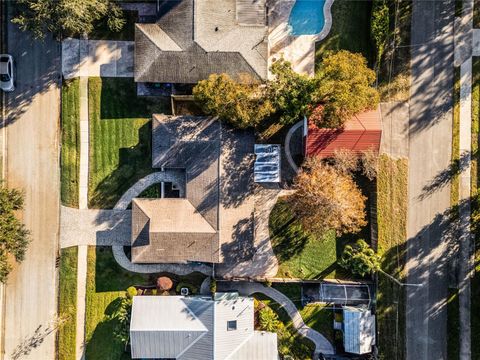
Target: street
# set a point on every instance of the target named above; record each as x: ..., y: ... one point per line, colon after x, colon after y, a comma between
x: 32, y: 151
x: 430, y: 134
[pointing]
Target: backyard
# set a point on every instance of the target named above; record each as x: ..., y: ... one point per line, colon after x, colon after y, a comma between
x: 67, y: 303
x: 120, y: 138
x: 307, y: 256
x: 70, y: 159
x: 106, y: 285
x: 391, y: 204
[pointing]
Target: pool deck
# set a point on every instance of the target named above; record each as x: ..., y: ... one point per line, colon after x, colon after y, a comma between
x: 299, y: 50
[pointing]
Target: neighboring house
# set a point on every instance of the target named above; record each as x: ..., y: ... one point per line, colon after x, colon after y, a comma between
x: 358, y: 329
x: 193, y: 39
x: 190, y: 328
x: 206, y: 206
x: 361, y: 132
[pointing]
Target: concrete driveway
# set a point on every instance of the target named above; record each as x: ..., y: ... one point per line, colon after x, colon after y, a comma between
x: 97, y: 58
x: 33, y: 115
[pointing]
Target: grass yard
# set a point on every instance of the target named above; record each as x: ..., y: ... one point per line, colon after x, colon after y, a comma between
x: 67, y: 303
x: 70, y: 153
x: 303, y: 255
x: 350, y: 29
x: 316, y: 316
x: 106, y: 285
x: 120, y: 138
x: 289, y: 341
x: 392, y: 203
x: 102, y: 32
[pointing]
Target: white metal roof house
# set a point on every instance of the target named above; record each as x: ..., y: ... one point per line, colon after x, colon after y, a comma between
x: 358, y: 330
x: 177, y: 327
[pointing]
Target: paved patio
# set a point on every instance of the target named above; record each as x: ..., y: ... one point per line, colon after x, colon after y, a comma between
x: 97, y: 58
x: 299, y: 50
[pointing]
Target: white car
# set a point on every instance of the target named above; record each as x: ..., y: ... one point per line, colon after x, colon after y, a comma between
x: 7, y: 81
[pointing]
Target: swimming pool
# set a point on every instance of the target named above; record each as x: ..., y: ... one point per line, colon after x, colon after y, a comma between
x: 307, y: 17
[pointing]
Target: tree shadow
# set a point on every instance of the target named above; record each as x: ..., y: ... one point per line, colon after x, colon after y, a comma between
x: 242, y: 247
x: 445, y: 176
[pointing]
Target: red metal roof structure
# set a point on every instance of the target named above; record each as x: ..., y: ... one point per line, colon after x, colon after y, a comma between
x: 361, y: 132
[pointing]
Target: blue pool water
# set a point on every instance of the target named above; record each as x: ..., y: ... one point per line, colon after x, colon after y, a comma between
x: 306, y: 17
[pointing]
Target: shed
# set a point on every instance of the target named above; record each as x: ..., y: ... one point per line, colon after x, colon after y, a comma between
x: 362, y: 132
x: 358, y: 330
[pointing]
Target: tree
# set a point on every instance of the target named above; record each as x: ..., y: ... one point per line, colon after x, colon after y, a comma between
x: 345, y: 161
x: 360, y: 259
x: 326, y: 199
x: 14, y: 237
x: 290, y: 93
x: 268, y: 320
x: 369, y: 161
x: 241, y: 103
x: 344, y: 88
x: 67, y: 17
x: 380, y: 27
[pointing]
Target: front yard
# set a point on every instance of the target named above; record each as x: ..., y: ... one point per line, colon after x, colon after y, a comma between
x: 120, y: 138
x: 106, y: 285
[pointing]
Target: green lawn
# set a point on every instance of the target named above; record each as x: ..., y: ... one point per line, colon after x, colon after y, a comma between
x: 392, y: 203
x: 289, y: 341
x: 67, y: 303
x: 102, y: 32
x: 350, y: 29
x: 120, y: 138
x: 305, y: 256
x: 106, y: 285
x: 316, y: 316
x: 70, y: 153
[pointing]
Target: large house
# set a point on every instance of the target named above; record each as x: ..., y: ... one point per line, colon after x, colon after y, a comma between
x: 177, y: 327
x: 192, y: 39
x: 204, y: 207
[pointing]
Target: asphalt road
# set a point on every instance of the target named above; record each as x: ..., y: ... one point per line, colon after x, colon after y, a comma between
x: 33, y: 114
x: 430, y: 138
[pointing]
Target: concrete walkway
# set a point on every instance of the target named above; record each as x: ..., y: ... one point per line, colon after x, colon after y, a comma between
x: 288, y: 138
x: 322, y: 345
x: 136, y: 189
x: 84, y: 139
x: 81, y: 291
x: 97, y: 58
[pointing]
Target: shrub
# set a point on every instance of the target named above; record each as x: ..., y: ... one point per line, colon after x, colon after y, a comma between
x: 191, y: 289
x: 369, y: 161
x: 164, y: 283
x: 213, y: 286
x: 360, y: 259
x: 131, y: 292
x: 268, y: 283
x: 345, y: 161
x: 268, y: 320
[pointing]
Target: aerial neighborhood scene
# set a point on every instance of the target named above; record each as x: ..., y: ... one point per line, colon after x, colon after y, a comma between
x: 239, y: 179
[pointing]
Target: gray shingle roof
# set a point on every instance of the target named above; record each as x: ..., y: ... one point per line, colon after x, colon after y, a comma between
x: 188, y: 43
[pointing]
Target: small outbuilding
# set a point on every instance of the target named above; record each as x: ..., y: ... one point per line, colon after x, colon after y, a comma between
x: 358, y: 330
x: 362, y: 132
